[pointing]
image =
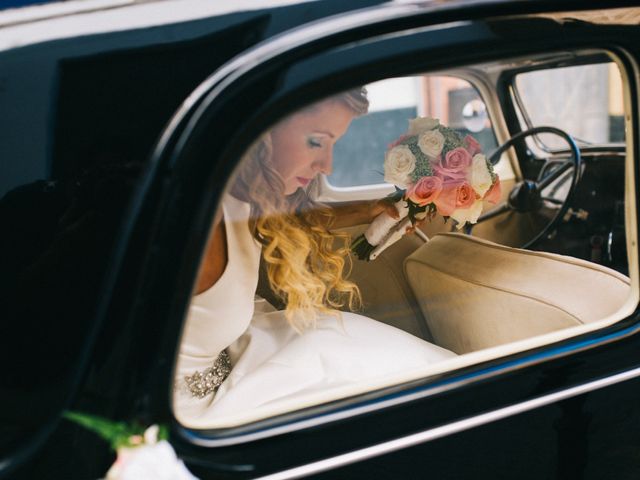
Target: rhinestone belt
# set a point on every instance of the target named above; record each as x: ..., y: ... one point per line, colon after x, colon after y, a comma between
x: 201, y: 384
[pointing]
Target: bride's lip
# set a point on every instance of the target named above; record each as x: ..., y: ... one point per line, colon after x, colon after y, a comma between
x: 303, y: 181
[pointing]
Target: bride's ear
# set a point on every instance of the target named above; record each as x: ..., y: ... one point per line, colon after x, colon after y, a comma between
x: 261, y: 150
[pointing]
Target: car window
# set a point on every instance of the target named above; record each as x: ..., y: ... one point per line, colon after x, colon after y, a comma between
x: 556, y: 97
x: 302, y: 300
x: 358, y: 160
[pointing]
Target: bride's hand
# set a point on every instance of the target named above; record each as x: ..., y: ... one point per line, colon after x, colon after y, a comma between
x: 417, y: 224
x: 387, y: 206
x: 383, y: 205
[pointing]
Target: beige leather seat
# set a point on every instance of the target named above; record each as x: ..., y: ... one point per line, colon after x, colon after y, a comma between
x: 476, y: 294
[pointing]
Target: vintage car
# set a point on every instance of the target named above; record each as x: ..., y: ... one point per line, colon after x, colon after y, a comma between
x: 123, y: 124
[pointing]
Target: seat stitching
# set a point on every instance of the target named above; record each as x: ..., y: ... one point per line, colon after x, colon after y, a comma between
x: 498, y: 289
x: 549, y: 256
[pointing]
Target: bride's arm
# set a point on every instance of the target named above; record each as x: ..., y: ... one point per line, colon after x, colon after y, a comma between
x: 215, y: 257
x: 197, y: 353
x: 360, y: 212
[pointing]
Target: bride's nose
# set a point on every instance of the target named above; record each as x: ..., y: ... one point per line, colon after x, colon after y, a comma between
x: 324, y: 163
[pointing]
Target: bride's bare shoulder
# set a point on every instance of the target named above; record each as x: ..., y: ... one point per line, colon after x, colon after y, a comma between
x: 215, y: 258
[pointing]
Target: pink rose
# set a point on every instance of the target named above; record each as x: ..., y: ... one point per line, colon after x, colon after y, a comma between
x: 425, y: 190
x: 454, y: 195
x: 454, y: 165
x: 494, y: 194
x: 473, y: 147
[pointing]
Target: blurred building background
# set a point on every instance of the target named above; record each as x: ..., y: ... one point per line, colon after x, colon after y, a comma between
x: 586, y: 101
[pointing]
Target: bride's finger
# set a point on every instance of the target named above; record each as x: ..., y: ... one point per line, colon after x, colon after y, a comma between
x: 391, y: 210
x: 383, y: 205
x: 418, y: 223
x: 387, y: 206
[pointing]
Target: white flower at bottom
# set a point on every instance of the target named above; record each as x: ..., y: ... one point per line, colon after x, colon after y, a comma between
x: 480, y: 177
x: 399, y: 164
x: 149, y: 462
x: 464, y: 215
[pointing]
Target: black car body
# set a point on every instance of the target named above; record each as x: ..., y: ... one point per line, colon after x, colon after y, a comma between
x: 113, y: 176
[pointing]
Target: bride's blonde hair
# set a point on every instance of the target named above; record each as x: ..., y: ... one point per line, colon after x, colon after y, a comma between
x: 305, y: 262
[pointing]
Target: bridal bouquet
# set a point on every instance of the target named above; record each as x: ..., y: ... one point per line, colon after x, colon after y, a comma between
x: 436, y: 172
x: 142, y: 454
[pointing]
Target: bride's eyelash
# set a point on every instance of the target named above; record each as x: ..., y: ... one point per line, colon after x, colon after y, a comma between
x: 313, y: 143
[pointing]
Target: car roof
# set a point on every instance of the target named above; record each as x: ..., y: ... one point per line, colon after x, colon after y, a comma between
x: 58, y: 20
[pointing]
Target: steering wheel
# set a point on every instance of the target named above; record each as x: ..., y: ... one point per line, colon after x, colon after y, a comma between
x: 526, y: 196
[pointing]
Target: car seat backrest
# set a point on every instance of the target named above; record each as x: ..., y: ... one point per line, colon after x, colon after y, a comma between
x: 476, y: 294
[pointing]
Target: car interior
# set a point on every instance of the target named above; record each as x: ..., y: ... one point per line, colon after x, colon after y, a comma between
x: 550, y: 260
x: 578, y: 225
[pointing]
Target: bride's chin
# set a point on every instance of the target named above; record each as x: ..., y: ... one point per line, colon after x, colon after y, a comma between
x: 291, y: 189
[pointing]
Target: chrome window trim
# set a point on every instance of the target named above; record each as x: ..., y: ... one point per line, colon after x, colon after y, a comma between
x: 449, y: 429
x: 205, y: 440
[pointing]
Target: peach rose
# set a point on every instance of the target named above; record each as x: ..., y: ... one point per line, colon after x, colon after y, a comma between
x: 473, y: 147
x: 465, y: 197
x: 425, y: 190
x: 454, y: 195
x: 454, y: 165
x: 494, y: 194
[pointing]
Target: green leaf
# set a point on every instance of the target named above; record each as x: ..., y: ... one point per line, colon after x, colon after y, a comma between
x: 163, y: 433
x: 116, y: 433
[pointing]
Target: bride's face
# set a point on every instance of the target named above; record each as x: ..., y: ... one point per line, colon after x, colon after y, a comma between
x: 303, y: 143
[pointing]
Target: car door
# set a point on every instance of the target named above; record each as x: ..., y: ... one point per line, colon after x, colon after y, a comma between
x: 544, y: 412
x: 73, y: 175
x: 564, y: 408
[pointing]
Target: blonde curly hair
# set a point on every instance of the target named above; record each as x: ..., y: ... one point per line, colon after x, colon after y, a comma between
x: 306, y: 263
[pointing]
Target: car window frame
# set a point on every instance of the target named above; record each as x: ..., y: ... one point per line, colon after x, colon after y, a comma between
x: 295, y: 421
x: 517, y: 103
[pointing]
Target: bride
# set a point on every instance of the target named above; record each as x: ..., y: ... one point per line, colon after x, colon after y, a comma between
x: 238, y: 355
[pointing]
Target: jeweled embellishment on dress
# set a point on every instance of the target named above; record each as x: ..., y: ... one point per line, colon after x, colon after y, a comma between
x: 201, y: 384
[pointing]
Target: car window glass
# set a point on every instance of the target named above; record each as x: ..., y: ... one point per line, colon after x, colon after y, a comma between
x: 556, y: 97
x: 287, y: 312
x: 357, y: 158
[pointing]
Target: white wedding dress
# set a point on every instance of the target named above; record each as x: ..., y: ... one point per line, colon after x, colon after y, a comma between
x: 274, y: 368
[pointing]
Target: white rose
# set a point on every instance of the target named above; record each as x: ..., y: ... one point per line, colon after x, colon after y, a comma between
x: 480, y: 177
x: 431, y: 143
x: 464, y: 215
x: 422, y: 124
x: 149, y: 462
x: 399, y: 163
